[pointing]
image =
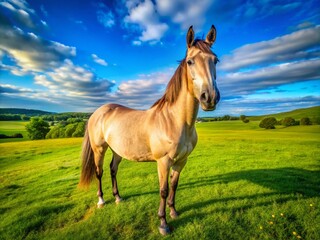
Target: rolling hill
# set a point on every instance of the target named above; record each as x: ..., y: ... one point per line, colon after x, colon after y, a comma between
x: 28, y: 112
x: 312, y: 113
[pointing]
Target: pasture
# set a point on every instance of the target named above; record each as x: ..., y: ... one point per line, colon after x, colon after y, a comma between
x: 241, y: 182
x: 11, y: 127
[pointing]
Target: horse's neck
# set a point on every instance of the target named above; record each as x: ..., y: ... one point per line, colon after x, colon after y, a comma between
x: 185, y: 109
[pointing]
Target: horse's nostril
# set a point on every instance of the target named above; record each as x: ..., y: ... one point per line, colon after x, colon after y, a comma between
x: 203, y: 96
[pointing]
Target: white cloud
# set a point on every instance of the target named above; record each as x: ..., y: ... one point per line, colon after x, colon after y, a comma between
x: 20, y: 12
x: 136, y: 43
x: 184, y: 12
x: 145, y: 16
x: 149, y: 87
x: 245, y: 83
x: 105, y: 15
x: 297, y: 45
x: 31, y: 52
x: 106, y: 18
x: 99, y: 60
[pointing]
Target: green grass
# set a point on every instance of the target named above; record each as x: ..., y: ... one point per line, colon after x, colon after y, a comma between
x: 241, y: 182
x: 11, y: 127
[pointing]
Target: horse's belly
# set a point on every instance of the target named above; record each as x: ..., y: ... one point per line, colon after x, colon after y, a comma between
x: 131, y: 149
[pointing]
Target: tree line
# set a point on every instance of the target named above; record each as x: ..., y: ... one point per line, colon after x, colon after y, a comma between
x: 47, y: 117
x: 38, y: 128
x: 271, y: 122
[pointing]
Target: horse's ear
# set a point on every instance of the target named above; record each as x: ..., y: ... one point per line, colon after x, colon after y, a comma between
x: 190, y: 37
x: 211, y: 36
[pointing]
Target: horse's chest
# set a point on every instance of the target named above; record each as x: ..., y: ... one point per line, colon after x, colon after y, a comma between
x: 183, y: 150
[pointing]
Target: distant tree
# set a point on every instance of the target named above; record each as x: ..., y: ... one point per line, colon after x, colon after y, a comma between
x: 288, y: 121
x: 70, y: 129
x: 56, y: 132
x: 225, y: 118
x: 242, y: 117
x: 74, y: 120
x: 79, y: 132
x: 37, y: 128
x: 246, y: 120
x: 268, y: 123
x: 305, y: 121
x: 17, y: 135
x: 25, y: 118
x: 234, y: 118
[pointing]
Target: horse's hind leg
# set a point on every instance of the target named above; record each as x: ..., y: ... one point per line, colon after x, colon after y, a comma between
x: 116, y: 159
x: 98, y: 159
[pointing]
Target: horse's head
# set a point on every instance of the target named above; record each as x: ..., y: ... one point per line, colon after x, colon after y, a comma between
x: 201, y: 65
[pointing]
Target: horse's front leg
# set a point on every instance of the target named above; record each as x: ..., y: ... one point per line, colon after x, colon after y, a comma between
x: 163, y: 172
x: 176, y: 169
x: 172, y: 194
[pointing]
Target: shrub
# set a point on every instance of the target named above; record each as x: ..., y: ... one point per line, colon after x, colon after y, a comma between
x: 288, y: 121
x: 17, y: 135
x: 305, y: 121
x: 268, y: 123
x: 246, y: 120
x: 242, y: 117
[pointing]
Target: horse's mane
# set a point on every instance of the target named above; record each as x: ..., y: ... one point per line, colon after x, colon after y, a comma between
x: 174, y: 86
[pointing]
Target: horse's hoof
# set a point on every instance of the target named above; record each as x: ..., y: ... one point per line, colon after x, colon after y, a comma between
x: 100, y: 205
x: 118, y: 200
x: 164, y: 230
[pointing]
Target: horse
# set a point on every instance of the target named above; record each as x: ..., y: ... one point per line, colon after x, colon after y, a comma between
x: 164, y: 133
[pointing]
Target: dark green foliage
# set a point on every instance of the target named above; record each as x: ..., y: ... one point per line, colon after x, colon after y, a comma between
x: 268, y: 123
x: 37, y: 128
x: 10, y: 117
x: 67, y: 131
x: 16, y: 135
x: 25, y: 118
x: 22, y: 111
x: 305, y: 121
x: 79, y: 132
x: 288, y: 121
x: 70, y: 129
x: 246, y: 120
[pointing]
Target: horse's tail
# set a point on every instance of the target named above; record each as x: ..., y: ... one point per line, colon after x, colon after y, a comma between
x: 88, y: 164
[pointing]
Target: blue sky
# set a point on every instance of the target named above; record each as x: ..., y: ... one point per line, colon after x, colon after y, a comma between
x: 77, y: 55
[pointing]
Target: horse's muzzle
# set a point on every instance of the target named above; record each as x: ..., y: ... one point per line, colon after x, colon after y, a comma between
x: 209, y: 101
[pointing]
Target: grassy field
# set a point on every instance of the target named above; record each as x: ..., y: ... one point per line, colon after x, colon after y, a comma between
x: 11, y: 127
x: 241, y: 182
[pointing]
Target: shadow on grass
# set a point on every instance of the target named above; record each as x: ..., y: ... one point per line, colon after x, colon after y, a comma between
x: 285, y: 184
x: 281, y: 180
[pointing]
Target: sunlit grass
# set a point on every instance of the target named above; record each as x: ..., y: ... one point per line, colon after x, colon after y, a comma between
x: 11, y: 127
x: 241, y: 182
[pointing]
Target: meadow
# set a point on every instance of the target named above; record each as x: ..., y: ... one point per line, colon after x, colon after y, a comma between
x: 11, y: 127
x: 241, y: 182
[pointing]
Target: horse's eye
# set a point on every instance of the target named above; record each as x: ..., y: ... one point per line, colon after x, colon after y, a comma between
x: 190, y: 62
